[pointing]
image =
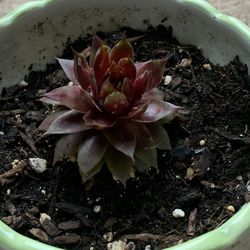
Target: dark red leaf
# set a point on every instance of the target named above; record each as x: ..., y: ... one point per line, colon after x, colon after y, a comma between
x: 122, y: 137
x: 69, y: 122
x: 155, y: 67
x: 147, y: 155
x: 96, y: 44
x: 72, y: 97
x: 141, y: 84
x: 90, y: 153
x: 99, y: 120
x: 127, y: 89
x: 50, y: 118
x: 68, y: 68
x: 119, y: 165
x: 143, y: 136
x: 84, y: 74
x: 67, y: 146
x: 157, y: 110
x: 160, y: 136
x: 116, y: 74
x: 101, y: 64
x: 154, y: 93
x: 107, y: 89
x: 137, y: 109
x: 129, y: 68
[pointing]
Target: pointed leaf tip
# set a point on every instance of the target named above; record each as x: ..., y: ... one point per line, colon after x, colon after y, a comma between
x: 101, y: 63
x: 160, y: 136
x: 123, y: 49
x: 90, y: 153
x: 119, y: 165
x: 68, y: 68
x: 84, y: 74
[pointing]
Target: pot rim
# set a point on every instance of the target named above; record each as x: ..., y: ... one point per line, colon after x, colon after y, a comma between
x: 222, y: 237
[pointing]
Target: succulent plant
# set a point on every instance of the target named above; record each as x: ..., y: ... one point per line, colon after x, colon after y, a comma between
x: 112, y: 112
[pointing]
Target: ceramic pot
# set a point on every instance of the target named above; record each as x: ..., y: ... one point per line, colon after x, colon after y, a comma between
x: 37, y: 32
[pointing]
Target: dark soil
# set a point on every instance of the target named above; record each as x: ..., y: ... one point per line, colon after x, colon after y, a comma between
x: 207, y: 172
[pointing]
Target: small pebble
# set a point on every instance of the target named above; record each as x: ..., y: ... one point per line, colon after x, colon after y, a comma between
x: 8, y: 191
x: 185, y: 62
x: 207, y: 66
x: 44, y: 217
x: 178, y: 213
x: 91, y: 248
x: 48, y: 226
x: 148, y: 247
x: 41, y: 92
x: 239, y: 178
x: 23, y: 83
x: 98, y: 199
x: 39, y: 234
x: 66, y: 239
x: 69, y: 225
x: 121, y: 245
x: 43, y: 191
x: 38, y: 165
x: 168, y: 80
x: 70, y: 84
x: 231, y: 208
x: 108, y: 236
x: 14, y: 163
x: 1, y: 133
x: 97, y: 209
x: 202, y: 142
x: 208, y: 184
x: 190, y: 174
x: 199, y: 150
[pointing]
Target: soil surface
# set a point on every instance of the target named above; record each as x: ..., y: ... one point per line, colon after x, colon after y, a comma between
x: 206, y: 175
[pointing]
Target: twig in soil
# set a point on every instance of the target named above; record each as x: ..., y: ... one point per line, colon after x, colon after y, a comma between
x: 192, y: 222
x: 146, y: 237
x: 7, y: 98
x: 11, y: 112
x: 30, y: 142
x: 18, y: 169
x: 136, y: 38
x: 245, y: 140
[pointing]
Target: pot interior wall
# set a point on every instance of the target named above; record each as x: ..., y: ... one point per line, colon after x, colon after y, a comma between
x: 37, y: 36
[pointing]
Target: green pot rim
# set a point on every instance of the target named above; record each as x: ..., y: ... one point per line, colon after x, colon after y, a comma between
x: 220, y: 238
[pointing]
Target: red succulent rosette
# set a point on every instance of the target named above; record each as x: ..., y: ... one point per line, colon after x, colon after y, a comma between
x: 113, y: 113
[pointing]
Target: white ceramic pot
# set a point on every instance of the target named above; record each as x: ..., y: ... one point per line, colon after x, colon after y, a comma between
x: 37, y: 32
